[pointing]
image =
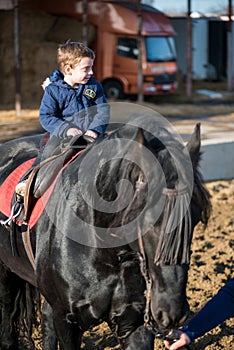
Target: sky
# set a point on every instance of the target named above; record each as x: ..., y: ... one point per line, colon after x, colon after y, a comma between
x: 178, y: 6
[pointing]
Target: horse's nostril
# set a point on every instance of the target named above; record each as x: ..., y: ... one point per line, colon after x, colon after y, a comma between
x: 160, y: 315
x: 163, y: 318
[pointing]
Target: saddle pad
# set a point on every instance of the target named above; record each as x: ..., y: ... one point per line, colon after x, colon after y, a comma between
x: 7, y: 190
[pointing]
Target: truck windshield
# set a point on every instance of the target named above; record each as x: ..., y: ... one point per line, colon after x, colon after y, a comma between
x: 160, y: 49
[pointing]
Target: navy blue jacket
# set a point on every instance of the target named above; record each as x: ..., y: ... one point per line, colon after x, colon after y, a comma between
x: 216, y: 311
x: 63, y: 107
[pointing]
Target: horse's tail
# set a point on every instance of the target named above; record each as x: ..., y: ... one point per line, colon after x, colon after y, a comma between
x: 27, y: 314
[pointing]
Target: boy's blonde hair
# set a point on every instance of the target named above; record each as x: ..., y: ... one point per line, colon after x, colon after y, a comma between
x: 71, y: 53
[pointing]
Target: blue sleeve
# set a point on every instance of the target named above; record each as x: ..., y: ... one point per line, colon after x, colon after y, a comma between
x: 50, y: 114
x: 102, y: 115
x: 216, y: 311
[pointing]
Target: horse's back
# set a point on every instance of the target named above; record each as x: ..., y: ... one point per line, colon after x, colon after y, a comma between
x: 18, y: 147
x: 16, y: 151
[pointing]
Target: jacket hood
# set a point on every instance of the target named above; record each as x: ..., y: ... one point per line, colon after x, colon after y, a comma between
x: 56, y: 76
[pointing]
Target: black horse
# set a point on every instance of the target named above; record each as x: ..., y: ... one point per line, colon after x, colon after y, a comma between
x: 113, y: 243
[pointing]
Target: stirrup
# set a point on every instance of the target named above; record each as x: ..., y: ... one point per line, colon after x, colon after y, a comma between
x: 13, y: 215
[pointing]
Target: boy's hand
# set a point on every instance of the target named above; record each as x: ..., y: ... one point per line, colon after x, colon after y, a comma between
x: 74, y: 132
x: 91, y: 133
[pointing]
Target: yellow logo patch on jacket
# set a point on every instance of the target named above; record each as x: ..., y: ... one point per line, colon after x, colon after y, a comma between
x: 90, y: 93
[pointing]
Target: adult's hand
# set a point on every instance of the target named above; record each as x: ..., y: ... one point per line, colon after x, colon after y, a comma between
x: 181, y: 342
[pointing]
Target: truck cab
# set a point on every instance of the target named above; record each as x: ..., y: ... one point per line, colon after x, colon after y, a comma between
x: 116, y: 47
x: 158, y: 61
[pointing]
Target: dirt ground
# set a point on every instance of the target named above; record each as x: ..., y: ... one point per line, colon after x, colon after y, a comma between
x: 212, y: 259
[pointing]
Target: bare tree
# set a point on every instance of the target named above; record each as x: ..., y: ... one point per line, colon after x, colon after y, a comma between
x: 139, y: 45
x: 17, y: 60
x: 189, y: 51
x: 85, y: 21
x: 229, y: 47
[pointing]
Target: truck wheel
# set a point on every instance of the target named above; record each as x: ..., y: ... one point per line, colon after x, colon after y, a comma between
x: 113, y: 90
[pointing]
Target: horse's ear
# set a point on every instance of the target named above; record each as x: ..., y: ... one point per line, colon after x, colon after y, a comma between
x: 194, y: 145
x: 132, y: 132
x: 139, y: 136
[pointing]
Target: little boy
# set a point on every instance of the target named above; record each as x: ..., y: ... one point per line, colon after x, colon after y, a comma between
x: 73, y: 102
x: 71, y: 90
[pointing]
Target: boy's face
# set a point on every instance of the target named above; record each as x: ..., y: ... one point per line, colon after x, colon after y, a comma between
x: 81, y: 73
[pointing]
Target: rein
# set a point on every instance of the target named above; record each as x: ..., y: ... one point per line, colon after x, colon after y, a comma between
x: 147, y: 278
x: 140, y: 185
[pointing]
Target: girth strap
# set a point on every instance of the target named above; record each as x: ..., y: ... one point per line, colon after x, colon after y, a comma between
x: 28, y: 246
